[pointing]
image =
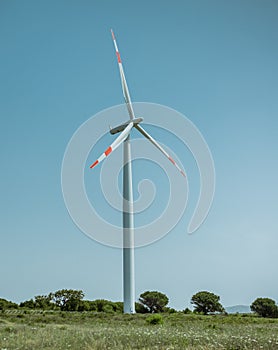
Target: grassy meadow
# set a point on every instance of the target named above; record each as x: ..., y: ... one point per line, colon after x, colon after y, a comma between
x: 33, y: 329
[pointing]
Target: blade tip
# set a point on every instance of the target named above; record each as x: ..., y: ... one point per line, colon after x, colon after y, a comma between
x: 94, y: 164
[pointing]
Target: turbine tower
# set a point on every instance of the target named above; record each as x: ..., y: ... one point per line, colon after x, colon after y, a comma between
x: 128, y: 219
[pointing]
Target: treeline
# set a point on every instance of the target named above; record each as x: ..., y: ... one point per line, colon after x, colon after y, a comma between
x: 149, y: 302
x: 71, y: 300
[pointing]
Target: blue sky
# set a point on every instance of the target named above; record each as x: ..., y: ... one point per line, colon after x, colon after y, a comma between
x: 215, y: 62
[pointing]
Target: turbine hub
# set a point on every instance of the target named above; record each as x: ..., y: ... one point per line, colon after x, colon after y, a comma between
x: 121, y: 127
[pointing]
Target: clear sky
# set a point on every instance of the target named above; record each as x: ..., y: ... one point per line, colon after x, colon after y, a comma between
x: 215, y: 62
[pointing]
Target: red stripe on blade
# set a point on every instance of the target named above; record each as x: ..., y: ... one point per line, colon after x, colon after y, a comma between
x: 95, y: 163
x: 119, y: 57
x: 172, y: 160
x: 113, y: 36
x: 108, y: 151
x: 183, y: 174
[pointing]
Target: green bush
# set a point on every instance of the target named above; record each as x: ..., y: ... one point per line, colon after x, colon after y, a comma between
x: 108, y: 308
x: 154, y: 319
x: 5, y: 304
x: 169, y: 310
x: 118, y: 306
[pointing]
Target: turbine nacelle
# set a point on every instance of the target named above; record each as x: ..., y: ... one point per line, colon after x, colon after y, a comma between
x: 121, y: 127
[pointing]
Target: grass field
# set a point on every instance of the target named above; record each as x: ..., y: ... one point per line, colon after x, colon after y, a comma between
x: 89, y: 331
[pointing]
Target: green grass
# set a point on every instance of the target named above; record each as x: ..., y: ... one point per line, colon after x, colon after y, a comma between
x: 90, y: 331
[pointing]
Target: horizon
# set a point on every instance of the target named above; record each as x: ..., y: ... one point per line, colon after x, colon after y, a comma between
x: 137, y: 301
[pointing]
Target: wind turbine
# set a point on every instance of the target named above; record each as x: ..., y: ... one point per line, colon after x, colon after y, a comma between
x: 128, y: 219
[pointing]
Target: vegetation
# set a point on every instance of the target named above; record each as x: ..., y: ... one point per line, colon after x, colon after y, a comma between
x: 206, y: 302
x: 265, y: 307
x: 53, y: 329
x: 101, y: 305
x: 43, y: 302
x: 154, y: 319
x: 153, y: 301
x: 67, y: 299
x: 5, y: 304
x: 149, y: 302
x: 64, y: 299
x: 46, y: 323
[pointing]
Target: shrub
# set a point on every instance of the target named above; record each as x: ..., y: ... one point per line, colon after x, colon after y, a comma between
x: 154, y: 319
x: 5, y: 304
x: 169, y: 310
x: 118, y: 306
x: 84, y: 305
x: 108, y: 308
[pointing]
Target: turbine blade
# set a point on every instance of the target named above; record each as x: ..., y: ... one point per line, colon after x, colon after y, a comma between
x: 114, y: 145
x: 149, y: 137
x: 123, y: 80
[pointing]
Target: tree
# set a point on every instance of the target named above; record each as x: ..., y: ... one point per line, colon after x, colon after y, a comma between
x: 30, y: 304
x: 43, y: 302
x: 154, y: 301
x: 67, y: 299
x: 265, y: 307
x: 140, y: 308
x: 5, y: 304
x: 206, y: 302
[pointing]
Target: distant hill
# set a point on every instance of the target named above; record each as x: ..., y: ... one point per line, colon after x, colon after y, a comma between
x: 240, y: 309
